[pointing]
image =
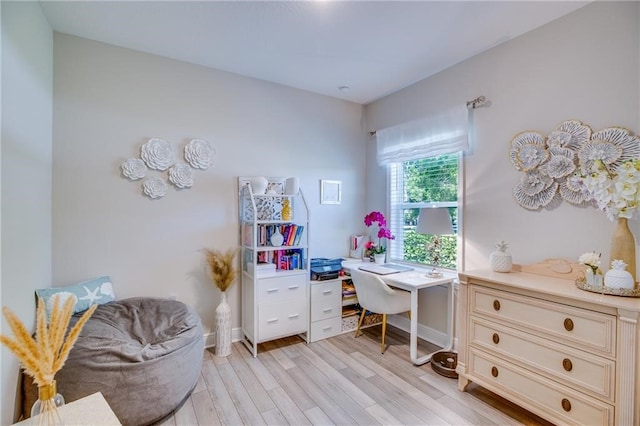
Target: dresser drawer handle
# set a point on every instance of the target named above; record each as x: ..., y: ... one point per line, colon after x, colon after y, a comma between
x: 494, y: 371
x: 495, y: 338
x: 568, y: 324
x: 293, y: 287
x: 567, y: 364
x: 496, y: 305
x: 327, y: 292
x: 272, y: 290
x: 325, y: 310
x: 566, y: 405
x: 293, y: 316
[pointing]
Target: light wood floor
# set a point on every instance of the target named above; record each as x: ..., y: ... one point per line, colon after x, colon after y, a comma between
x: 340, y: 380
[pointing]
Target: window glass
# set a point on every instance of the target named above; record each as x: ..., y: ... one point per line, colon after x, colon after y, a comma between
x: 426, y: 182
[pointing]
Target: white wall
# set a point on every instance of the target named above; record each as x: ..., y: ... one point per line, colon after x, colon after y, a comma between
x: 109, y: 100
x: 27, y: 75
x: 583, y: 66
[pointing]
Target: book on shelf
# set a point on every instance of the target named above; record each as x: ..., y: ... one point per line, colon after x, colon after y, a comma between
x: 291, y: 234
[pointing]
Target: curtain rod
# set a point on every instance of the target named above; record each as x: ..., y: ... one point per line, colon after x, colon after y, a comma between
x: 473, y: 104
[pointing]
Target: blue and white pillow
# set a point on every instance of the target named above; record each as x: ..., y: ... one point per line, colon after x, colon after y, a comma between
x: 95, y: 291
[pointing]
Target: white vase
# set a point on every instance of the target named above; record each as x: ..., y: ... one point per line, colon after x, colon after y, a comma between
x: 223, y: 327
x: 593, y: 279
x: 379, y: 258
x: 259, y: 185
x: 618, y: 277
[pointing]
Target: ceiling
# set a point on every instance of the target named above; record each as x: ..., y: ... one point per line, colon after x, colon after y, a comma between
x: 373, y: 48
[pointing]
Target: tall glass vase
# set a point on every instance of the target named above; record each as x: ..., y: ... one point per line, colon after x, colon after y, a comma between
x: 223, y: 327
x: 623, y: 247
x: 46, y: 406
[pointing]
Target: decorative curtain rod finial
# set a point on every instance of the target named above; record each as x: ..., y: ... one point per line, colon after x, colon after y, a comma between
x: 479, y: 101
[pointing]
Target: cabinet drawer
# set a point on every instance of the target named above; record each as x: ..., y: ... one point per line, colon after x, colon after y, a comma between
x: 272, y: 289
x: 580, y: 370
x: 326, y: 300
x: 555, y: 402
x: 278, y: 319
x: 326, y: 328
x: 581, y: 328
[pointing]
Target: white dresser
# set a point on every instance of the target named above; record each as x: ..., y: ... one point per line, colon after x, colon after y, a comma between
x: 568, y: 355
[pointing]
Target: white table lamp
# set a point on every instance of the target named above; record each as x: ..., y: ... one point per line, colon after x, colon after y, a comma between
x: 434, y: 221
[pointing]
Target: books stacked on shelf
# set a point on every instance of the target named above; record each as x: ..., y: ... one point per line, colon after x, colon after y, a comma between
x: 349, y: 296
x: 291, y: 233
x: 285, y: 260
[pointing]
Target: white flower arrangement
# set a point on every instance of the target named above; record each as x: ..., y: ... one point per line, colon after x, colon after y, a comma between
x: 617, y: 193
x: 590, y: 259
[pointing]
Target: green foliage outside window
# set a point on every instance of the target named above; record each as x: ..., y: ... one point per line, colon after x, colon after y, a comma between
x: 428, y: 180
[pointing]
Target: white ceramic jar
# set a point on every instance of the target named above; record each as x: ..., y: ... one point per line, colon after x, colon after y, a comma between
x: 618, y: 276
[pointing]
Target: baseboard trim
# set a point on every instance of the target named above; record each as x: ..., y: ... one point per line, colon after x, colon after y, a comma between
x: 210, y: 338
x: 427, y: 333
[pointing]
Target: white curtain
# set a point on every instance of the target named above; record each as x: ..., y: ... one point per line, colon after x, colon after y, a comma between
x: 438, y: 134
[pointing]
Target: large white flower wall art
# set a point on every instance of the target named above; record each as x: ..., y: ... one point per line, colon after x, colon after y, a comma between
x: 199, y: 154
x: 555, y: 167
x: 157, y: 155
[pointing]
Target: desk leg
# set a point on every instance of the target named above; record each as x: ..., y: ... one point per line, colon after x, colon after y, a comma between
x: 413, y: 339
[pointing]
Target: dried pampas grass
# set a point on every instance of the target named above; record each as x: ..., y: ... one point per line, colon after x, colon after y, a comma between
x: 221, y: 267
x: 45, y: 355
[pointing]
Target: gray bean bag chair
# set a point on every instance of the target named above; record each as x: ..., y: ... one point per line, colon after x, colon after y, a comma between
x: 143, y: 354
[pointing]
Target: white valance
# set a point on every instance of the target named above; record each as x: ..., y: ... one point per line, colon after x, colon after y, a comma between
x: 443, y: 133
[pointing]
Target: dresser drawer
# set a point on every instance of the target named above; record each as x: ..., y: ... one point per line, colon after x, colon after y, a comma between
x: 326, y: 328
x: 549, y: 399
x: 277, y: 288
x: 581, y: 328
x: 278, y: 319
x: 326, y: 300
x: 582, y: 371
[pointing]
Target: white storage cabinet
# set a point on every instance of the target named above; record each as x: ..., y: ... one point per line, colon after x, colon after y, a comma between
x: 275, y: 298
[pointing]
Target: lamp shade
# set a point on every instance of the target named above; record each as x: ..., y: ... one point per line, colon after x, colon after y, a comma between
x: 434, y: 221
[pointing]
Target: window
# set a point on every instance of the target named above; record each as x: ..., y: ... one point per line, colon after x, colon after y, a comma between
x: 425, y: 182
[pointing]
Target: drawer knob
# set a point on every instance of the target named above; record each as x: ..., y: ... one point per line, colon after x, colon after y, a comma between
x: 568, y: 324
x: 566, y: 405
x: 567, y: 364
x: 494, y: 371
x: 496, y: 305
x: 495, y: 338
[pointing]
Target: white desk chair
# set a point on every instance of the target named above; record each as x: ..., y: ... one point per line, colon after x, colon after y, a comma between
x: 374, y: 295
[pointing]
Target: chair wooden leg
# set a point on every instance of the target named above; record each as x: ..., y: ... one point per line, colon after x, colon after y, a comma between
x: 360, y: 322
x: 409, y: 314
x: 384, y: 330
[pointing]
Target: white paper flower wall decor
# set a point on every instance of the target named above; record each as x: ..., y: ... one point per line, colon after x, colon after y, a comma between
x: 158, y: 156
x: 555, y: 166
x: 134, y: 168
x: 199, y: 154
x: 181, y: 176
x: 154, y: 187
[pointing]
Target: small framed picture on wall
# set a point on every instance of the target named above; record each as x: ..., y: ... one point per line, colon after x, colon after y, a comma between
x: 330, y: 191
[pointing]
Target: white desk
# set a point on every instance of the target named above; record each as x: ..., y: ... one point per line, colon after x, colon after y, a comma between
x: 413, y: 281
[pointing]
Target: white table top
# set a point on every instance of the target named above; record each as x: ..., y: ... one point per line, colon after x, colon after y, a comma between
x: 91, y: 410
x: 407, y: 280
